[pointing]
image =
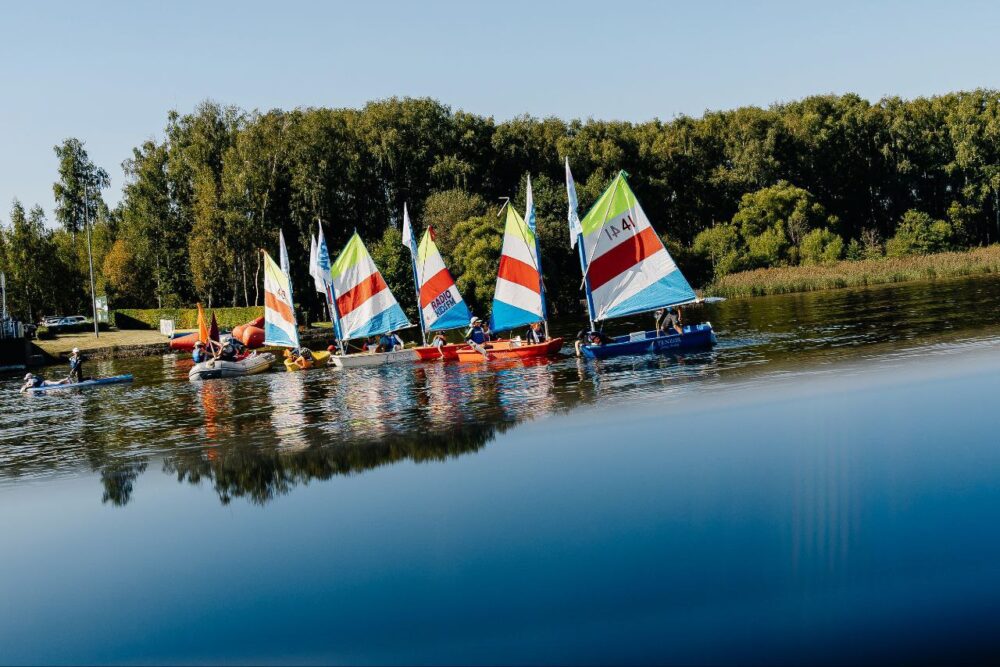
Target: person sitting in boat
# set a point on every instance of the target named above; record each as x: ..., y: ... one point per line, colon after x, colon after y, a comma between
x: 668, y: 319
x: 479, y: 335
x: 76, y: 366
x: 228, y: 351
x: 301, y: 357
x: 535, y: 335
x: 200, y: 353
x: 389, y: 342
x: 586, y: 337
x: 439, y: 341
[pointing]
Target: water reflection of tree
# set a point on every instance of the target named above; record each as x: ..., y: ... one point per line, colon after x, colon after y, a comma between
x: 260, y: 473
x: 257, y: 438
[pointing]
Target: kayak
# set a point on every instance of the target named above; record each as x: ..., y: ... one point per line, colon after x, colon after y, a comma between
x: 94, y: 382
x: 511, y: 349
x: 321, y: 358
x: 448, y: 352
x: 695, y: 337
x: 217, y: 368
x: 360, y: 359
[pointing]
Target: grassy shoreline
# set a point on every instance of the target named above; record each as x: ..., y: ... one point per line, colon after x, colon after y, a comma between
x: 883, y: 271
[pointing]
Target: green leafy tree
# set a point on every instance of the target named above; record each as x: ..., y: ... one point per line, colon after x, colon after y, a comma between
x: 720, y: 245
x: 78, y: 190
x: 821, y: 246
x: 476, y: 259
x: 919, y: 234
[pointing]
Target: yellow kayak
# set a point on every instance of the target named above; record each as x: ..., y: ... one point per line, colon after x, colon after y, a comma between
x: 320, y: 358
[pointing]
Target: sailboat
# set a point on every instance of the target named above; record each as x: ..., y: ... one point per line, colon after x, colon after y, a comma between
x: 363, y: 306
x: 439, y: 303
x: 626, y: 271
x: 280, y: 326
x: 519, y: 298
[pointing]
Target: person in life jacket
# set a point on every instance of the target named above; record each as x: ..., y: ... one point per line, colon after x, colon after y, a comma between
x: 200, y: 354
x: 534, y: 334
x: 389, y: 342
x: 586, y: 337
x: 76, y: 366
x: 478, y: 336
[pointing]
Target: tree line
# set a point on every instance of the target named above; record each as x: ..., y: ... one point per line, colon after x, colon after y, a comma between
x: 812, y: 181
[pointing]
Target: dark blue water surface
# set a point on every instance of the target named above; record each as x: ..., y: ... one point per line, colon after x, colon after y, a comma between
x: 824, y: 487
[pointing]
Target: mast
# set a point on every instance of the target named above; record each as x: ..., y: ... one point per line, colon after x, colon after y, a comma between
x: 408, y: 240
x: 529, y: 219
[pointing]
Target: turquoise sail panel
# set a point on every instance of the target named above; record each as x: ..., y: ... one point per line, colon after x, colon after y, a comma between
x: 390, y: 319
x: 506, y: 317
x: 670, y: 290
x: 456, y: 317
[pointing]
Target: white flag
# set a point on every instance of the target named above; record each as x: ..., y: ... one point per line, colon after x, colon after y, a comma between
x: 322, y: 260
x: 314, y: 265
x: 529, y: 208
x: 283, y: 254
x: 408, y: 240
x: 575, y: 229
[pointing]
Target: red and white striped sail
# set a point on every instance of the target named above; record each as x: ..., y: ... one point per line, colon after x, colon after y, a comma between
x: 628, y: 268
x: 518, y: 297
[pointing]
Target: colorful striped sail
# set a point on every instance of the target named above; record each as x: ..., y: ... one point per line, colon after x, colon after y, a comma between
x: 440, y: 303
x: 518, y: 299
x: 364, y: 303
x: 279, y: 313
x: 628, y: 270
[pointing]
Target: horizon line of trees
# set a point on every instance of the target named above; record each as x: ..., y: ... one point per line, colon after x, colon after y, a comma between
x: 805, y: 182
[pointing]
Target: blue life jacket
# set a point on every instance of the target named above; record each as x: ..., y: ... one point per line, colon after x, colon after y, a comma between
x: 387, y: 342
x: 199, y: 356
x: 477, y: 335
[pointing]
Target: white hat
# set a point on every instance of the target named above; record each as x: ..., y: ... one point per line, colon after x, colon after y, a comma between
x: 28, y: 377
x: 198, y: 342
x: 474, y: 320
x: 76, y: 350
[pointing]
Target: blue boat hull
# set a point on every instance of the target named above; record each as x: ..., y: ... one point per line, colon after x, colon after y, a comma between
x: 697, y: 337
x: 96, y: 382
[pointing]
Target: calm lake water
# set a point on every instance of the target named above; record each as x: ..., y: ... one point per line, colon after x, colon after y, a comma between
x: 824, y: 486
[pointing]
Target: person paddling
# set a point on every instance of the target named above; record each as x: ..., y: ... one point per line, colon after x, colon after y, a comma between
x: 479, y: 335
x: 76, y: 366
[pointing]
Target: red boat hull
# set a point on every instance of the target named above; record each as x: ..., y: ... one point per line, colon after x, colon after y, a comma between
x: 506, y: 349
x: 431, y: 353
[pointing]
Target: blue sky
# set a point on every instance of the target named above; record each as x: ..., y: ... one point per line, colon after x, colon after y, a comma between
x: 107, y: 73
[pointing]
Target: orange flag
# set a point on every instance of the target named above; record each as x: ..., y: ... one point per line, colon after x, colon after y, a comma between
x: 202, y: 327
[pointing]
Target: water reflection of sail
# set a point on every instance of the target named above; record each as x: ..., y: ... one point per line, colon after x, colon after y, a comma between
x: 527, y: 390
x: 286, y: 394
x: 216, y: 403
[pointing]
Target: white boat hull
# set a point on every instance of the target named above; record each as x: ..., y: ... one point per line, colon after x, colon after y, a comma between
x: 372, y: 358
x: 216, y: 368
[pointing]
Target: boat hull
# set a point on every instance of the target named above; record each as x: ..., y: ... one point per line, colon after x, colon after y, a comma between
x: 697, y: 337
x: 96, y: 382
x: 362, y: 359
x: 511, y: 349
x: 320, y: 358
x: 447, y: 352
x: 216, y: 368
